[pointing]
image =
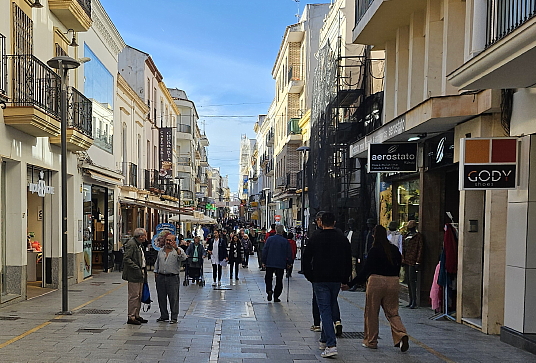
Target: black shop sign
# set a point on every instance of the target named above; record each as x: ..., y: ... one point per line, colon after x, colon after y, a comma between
x: 490, y: 176
x: 392, y: 158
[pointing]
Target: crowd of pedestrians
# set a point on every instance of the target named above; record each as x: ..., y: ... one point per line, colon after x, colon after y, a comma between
x: 326, y: 263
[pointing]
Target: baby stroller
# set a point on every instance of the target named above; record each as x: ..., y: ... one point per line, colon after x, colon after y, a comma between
x: 193, y: 272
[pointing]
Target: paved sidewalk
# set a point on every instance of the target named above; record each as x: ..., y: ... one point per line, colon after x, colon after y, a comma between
x: 236, y: 325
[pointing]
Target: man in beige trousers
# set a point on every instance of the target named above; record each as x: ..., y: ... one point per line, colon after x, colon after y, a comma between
x: 135, y: 273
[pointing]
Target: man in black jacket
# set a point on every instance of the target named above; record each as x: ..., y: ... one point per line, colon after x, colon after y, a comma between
x: 327, y: 263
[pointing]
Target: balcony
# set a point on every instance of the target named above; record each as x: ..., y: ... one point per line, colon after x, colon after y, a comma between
x: 291, y: 180
x: 293, y: 127
x: 378, y: 20
x: 204, y: 141
x: 281, y: 182
x: 270, y: 138
x: 3, y: 70
x: 151, y: 180
x: 130, y: 174
x: 510, y: 51
x: 74, y: 14
x: 33, y: 91
x: 185, y: 129
x: 79, y: 123
x: 295, y: 84
x: 269, y: 171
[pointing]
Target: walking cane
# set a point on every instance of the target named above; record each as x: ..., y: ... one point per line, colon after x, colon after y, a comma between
x: 288, y: 284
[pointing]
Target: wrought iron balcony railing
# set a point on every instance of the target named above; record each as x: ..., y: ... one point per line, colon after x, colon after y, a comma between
x: 292, y: 179
x: 504, y: 16
x: 130, y: 172
x: 86, y: 5
x: 33, y: 84
x: 151, y: 179
x: 79, y: 110
x: 3, y: 68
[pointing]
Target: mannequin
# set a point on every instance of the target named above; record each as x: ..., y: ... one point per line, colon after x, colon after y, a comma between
x: 394, y: 236
x: 412, y: 257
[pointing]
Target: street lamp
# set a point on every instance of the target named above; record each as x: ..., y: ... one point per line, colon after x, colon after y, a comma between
x: 64, y: 64
x: 303, y: 149
x: 265, y: 190
x: 178, y: 179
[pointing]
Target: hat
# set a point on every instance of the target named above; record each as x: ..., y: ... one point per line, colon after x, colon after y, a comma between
x: 411, y: 224
x: 371, y: 221
x: 393, y: 225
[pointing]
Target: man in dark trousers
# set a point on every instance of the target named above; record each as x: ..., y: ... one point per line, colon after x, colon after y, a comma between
x: 327, y: 263
x: 134, y: 271
x: 276, y: 257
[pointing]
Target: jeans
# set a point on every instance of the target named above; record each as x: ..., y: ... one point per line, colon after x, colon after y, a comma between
x: 335, y: 312
x: 278, y: 280
x: 260, y: 246
x: 326, y: 297
x: 412, y: 285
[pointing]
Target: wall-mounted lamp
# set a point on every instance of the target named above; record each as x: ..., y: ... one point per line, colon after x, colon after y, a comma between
x: 36, y: 4
x: 417, y: 137
x: 73, y: 41
x: 473, y: 225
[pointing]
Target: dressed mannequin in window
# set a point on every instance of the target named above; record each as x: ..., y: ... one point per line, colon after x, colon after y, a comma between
x: 412, y: 246
x: 394, y: 236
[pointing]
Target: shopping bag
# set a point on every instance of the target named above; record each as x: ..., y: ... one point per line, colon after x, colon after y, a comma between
x: 146, y: 297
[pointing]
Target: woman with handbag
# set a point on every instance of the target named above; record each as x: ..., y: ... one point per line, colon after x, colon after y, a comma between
x: 236, y: 256
x: 248, y: 249
x: 217, y: 250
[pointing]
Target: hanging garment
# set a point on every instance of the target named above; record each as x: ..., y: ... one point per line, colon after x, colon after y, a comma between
x: 450, y: 247
x: 435, y: 291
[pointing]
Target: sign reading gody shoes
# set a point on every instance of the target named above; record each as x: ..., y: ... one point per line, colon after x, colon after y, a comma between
x: 489, y: 163
x: 392, y: 158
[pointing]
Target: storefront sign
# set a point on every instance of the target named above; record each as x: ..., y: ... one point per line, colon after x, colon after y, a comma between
x: 387, y: 132
x: 392, y: 158
x: 40, y: 188
x: 439, y: 151
x: 159, y: 238
x: 166, y: 152
x: 488, y: 163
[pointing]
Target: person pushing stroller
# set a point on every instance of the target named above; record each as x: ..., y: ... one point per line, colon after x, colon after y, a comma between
x: 195, y: 252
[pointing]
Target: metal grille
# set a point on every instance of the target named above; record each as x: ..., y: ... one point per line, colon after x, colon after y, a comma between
x: 89, y: 330
x: 60, y: 51
x: 9, y: 317
x: 353, y: 335
x: 86, y: 6
x: 94, y: 311
x: 22, y: 32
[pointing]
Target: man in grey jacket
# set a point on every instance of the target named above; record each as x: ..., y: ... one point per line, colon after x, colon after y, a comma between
x: 134, y: 272
x: 166, y: 274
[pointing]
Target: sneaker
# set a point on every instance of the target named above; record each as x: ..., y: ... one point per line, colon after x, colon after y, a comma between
x: 159, y: 320
x: 270, y: 295
x: 404, y: 344
x: 338, y: 328
x: 219, y: 283
x: 329, y: 352
x: 173, y: 321
x: 214, y: 283
x: 314, y: 327
x: 368, y: 346
x: 322, y: 346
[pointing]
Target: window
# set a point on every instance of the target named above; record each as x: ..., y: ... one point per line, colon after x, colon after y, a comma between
x: 98, y: 81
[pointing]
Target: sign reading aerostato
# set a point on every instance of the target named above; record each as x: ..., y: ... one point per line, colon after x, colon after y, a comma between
x: 488, y: 163
x: 392, y: 158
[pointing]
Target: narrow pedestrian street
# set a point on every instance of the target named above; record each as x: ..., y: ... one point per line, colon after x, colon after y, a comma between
x: 233, y: 324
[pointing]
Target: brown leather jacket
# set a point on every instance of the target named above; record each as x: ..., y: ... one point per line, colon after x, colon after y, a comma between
x: 412, y: 249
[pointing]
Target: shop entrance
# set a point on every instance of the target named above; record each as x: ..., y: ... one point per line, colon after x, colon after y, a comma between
x: 39, y: 252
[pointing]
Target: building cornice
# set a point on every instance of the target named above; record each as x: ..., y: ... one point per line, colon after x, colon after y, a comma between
x: 123, y: 85
x: 106, y: 30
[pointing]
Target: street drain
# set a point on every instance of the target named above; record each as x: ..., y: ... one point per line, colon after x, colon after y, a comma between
x: 89, y: 330
x: 94, y: 311
x: 353, y: 335
x: 9, y: 317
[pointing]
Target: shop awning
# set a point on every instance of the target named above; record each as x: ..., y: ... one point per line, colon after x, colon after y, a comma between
x: 150, y: 204
x: 104, y: 178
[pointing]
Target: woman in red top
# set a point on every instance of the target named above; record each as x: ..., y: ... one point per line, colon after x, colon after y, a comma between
x: 294, y: 248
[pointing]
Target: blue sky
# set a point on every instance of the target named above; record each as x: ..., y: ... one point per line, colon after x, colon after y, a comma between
x: 220, y: 52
